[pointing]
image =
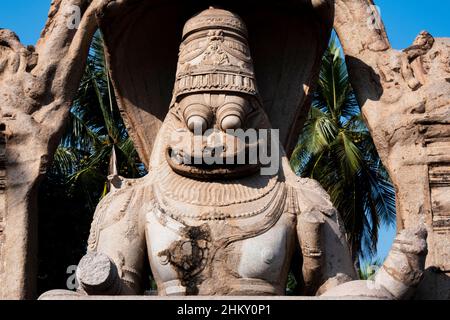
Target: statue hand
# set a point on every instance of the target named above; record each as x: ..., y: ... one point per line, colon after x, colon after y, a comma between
x: 403, y: 269
x: 400, y: 274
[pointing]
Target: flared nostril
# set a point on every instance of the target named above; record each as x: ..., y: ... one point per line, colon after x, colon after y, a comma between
x: 231, y: 122
x: 197, y: 124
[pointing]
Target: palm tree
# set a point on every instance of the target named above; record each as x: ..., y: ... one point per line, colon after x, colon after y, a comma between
x: 95, y: 136
x: 336, y: 149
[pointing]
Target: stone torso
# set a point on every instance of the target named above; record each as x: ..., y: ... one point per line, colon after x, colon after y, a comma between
x: 215, y: 238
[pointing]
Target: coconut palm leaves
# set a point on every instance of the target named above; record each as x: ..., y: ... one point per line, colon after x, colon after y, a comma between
x: 95, y: 131
x: 78, y: 177
x: 336, y: 149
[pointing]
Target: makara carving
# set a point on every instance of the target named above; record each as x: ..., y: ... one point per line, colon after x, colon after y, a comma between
x: 220, y: 228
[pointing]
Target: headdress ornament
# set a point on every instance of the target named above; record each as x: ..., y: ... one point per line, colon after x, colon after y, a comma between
x: 215, y: 55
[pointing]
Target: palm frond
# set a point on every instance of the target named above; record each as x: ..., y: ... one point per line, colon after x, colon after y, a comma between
x: 336, y: 149
x: 348, y: 153
x: 65, y: 161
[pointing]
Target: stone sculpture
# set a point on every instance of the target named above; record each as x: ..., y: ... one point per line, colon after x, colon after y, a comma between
x: 403, y: 94
x: 226, y: 229
x: 37, y: 85
x: 405, y: 100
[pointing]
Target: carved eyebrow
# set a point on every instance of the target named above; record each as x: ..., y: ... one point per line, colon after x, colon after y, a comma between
x: 245, y: 105
x: 197, y: 104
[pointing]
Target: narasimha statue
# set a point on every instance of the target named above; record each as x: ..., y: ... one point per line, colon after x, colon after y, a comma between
x: 227, y: 227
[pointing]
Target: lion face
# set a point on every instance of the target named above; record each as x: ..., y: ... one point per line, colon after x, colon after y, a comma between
x: 215, y: 136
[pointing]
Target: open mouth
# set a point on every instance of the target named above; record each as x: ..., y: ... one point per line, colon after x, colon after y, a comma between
x: 224, y: 167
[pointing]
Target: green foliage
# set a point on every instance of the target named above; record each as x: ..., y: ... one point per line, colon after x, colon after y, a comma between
x: 94, y: 129
x: 336, y: 149
x: 77, y: 179
x: 368, y: 269
x: 291, y: 284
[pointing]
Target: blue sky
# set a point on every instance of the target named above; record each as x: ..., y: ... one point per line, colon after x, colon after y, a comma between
x: 404, y: 19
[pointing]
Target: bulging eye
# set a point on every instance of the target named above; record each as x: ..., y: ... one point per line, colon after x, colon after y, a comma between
x: 197, y: 123
x: 231, y: 122
x: 197, y: 117
x: 231, y: 116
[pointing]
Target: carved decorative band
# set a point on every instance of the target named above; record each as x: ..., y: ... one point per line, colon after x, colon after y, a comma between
x: 441, y: 225
x: 215, y: 82
x: 192, y: 49
x: 3, y: 138
x: 312, y: 252
x: 227, y: 193
x: 439, y: 178
x: 2, y: 164
x: 212, y: 22
x: 439, y: 175
x: 254, y: 287
x: 216, y: 214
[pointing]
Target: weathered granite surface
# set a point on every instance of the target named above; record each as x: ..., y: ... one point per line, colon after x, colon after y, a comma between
x: 219, y: 229
x: 404, y: 97
x: 405, y: 100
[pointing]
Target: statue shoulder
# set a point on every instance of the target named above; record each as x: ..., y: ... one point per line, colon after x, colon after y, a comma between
x: 125, y: 202
x: 311, y: 196
x: 121, y: 187
x: 314, y: 204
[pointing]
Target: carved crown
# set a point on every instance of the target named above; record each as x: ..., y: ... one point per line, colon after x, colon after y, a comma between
x: 215, y: 18
x: 214, y: 55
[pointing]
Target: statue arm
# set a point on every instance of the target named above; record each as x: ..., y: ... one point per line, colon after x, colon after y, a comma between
x: 400, y: 274
x: 327, y: 259
x: 114, y: 264
x: 327, y: 264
